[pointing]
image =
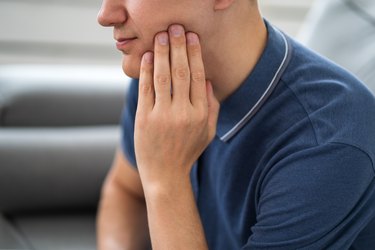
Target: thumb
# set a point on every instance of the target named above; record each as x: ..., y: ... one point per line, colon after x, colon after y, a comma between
x: 213, y: 110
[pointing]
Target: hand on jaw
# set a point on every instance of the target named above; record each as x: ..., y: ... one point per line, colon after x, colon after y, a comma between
x: 173, y: 128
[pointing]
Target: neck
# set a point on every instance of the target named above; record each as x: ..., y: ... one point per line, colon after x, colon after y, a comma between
x: 236, y: 49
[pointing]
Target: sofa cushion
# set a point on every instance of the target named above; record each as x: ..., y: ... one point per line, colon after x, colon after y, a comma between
x: 10, y: 237
x: 61, y: 231
x: 54, y: 168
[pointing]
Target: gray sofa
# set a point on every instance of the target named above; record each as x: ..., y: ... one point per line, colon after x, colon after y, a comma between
x: 58, y: 133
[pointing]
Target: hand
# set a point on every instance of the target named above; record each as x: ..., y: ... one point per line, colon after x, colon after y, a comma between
x: 177, y: 111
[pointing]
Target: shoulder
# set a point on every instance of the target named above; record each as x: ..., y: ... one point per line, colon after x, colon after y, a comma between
x: 330, y: 183
x: 340, y: 108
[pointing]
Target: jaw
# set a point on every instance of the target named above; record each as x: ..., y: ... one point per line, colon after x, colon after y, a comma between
x: 131, y: 65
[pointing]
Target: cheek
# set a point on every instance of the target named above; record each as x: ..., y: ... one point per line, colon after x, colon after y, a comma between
x: 131, y: 63
x: 146, y: 29
x: 148, y: 17
x: 146, y: 20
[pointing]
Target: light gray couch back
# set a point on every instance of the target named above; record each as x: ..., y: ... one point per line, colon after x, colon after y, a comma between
x: 58, y: 133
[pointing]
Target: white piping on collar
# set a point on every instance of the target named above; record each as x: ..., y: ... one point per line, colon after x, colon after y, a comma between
x: 265, y: 95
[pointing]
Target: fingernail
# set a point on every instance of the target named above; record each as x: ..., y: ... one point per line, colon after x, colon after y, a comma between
x: 149, y: 57
x: 176, y: 30
x: 192, y: 38
x: 163, y: 38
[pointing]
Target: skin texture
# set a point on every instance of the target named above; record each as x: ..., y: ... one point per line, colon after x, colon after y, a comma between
x: 122, y: 218
x: 188, y: 56
x: 137, y: 22
x: 188, y: 116
x: 232, y: 34
x: 171, y: 131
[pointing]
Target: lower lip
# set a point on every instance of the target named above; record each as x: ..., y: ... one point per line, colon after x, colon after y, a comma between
x: 125, y: 43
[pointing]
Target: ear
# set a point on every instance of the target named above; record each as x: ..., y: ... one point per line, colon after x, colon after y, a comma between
x: 223, y: 4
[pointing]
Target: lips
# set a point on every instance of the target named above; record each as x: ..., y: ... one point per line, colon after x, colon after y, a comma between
x: 124, y: 43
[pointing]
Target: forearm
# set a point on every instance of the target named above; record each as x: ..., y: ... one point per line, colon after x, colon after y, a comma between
x: 122, y: 221
x: 173, y: 217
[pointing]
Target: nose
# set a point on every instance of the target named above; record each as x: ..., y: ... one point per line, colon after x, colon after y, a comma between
x: 112, y: 13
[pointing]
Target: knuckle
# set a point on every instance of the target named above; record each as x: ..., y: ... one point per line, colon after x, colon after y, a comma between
x: 183, y: 120
x: 197, y: 76
x: 201, y: 118
x: 163, y: 79
x: 181, y: 73
x: 145, y: 88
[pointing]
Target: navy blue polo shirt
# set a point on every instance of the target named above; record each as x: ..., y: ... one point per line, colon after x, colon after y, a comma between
x: 292, y: 165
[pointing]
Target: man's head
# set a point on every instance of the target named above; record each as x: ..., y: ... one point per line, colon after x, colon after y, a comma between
x: 136, y: 22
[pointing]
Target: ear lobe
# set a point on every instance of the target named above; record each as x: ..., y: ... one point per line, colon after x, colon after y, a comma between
x: 222, y: 4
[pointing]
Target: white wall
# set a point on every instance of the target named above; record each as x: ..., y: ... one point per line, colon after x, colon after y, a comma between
x: 66, y: 31
x: 54, y: 31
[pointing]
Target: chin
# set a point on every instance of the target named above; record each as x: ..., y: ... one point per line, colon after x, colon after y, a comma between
x: 131, y: 66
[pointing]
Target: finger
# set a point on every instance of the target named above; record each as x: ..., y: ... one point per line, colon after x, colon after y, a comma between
x: 146, y: 97
x: 213, y: 110
x: 179, y: 64
x: 162, y: 72
x: 198, y: 95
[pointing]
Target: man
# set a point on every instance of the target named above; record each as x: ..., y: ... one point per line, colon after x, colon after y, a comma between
x: 286, y: 163
x: 320, y: 32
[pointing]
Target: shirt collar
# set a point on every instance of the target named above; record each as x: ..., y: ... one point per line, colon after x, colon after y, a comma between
x: 243, y: 104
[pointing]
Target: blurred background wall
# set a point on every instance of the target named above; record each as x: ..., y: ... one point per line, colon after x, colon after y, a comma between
x: 66, y: 31
x: 54, y: 31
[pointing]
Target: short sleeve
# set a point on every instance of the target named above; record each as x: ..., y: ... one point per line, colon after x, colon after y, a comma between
x: 127, y: 123
x: 318, y: 198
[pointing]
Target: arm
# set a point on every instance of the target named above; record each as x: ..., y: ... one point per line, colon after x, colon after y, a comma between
x: 174, y: 218
x: 171, y: 132
x: 321, y: 197
x: 122, y: 220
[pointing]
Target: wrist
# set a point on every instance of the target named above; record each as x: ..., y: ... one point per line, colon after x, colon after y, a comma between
x: 171, y: 188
